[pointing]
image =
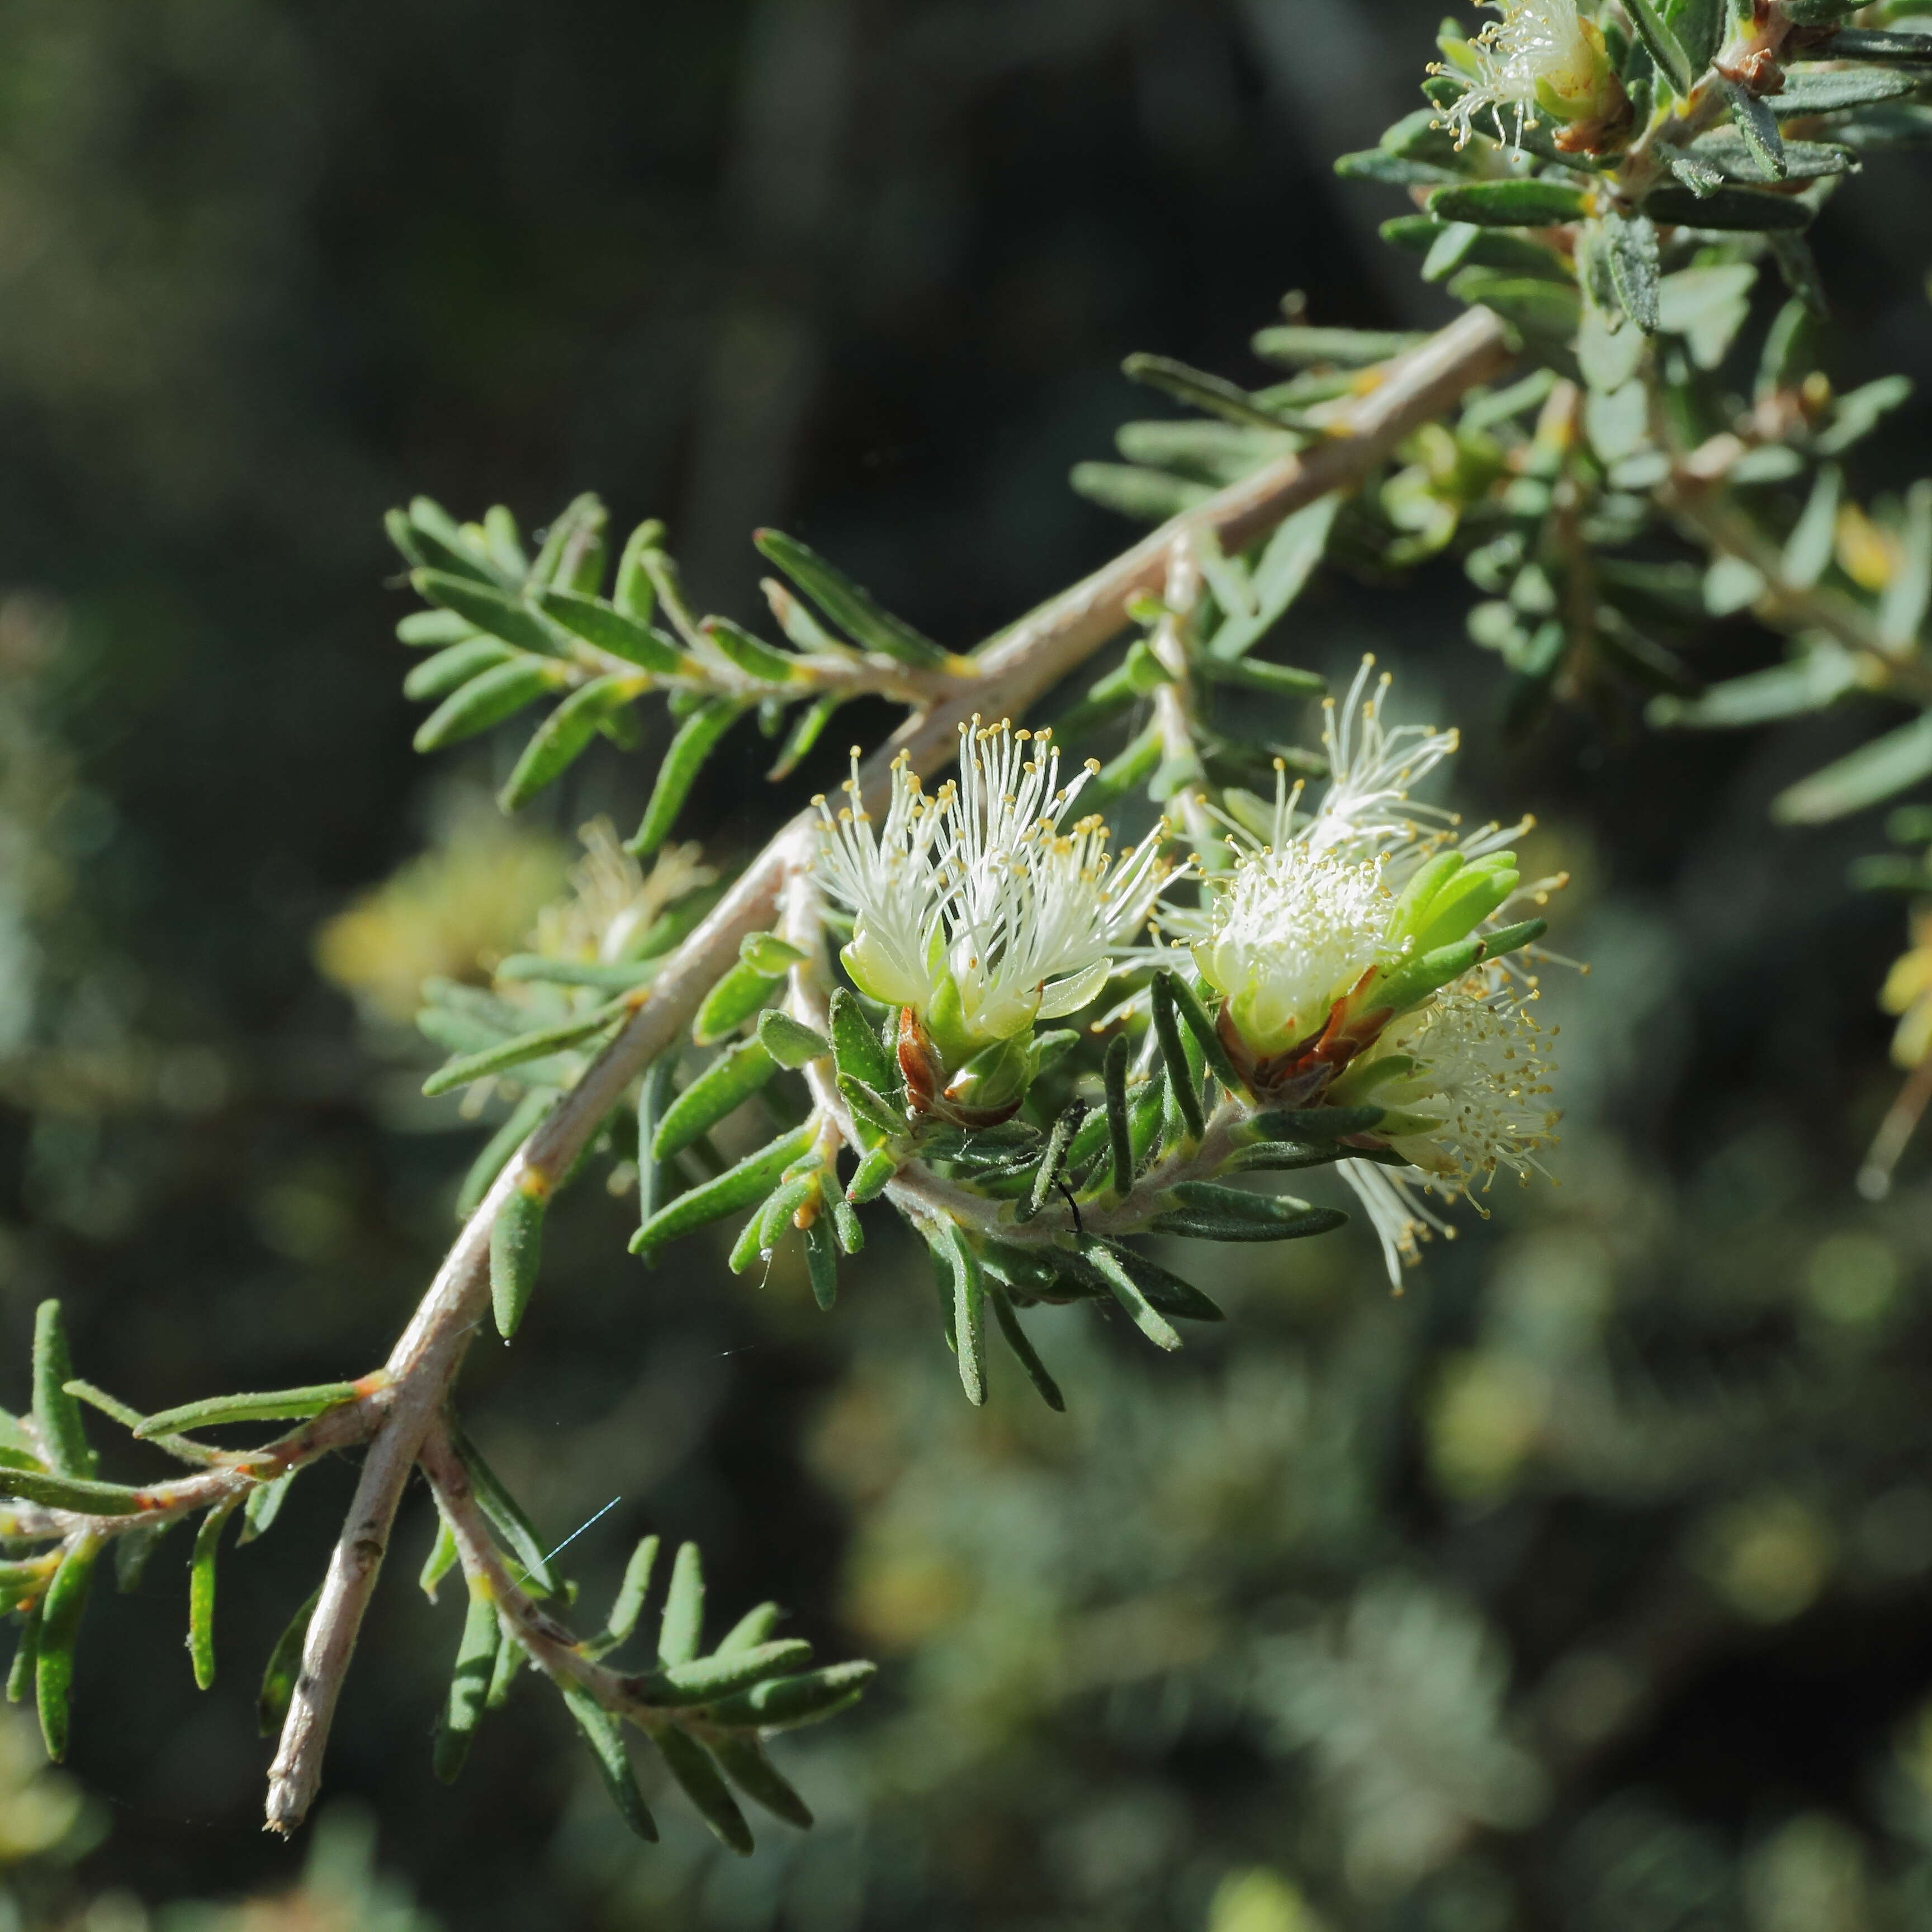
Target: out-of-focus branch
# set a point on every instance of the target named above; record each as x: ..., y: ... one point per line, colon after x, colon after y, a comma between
x: 1009, y: 673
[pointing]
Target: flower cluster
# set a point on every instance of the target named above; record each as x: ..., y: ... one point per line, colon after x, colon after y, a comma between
x: 979, y: 911
x: 1355, y: 955
x: 1540, y: 57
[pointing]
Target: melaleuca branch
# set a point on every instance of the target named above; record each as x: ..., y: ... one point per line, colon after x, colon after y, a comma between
x: 511, y: 631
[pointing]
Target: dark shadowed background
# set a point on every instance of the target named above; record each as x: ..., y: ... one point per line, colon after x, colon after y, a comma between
x: 1585, y: 1586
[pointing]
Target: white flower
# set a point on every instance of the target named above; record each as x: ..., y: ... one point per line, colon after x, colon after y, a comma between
x: 1300, y: 919
x: 613, y: 905
x: 973, y: 907
x: 1541, y: 54
x: 1480, y: 1074
x: 1291, y: 933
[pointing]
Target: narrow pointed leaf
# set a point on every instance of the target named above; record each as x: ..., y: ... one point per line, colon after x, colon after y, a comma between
x: 631, y: 1592
x: 1016, y: 1340
x: 688, y: 1762
x: 783, y: 1701
x: 1757, y: 127
x: 56, y: 1414
x: 753, y: 1628
x: 201, y: 1592
x: 1128, y: 1292
x: 271, y: 1406
x: 846, y: 604
x: 60, y: 1627
x: 706, y: 1679
x: 697, y: 739
x: 522, y: 1122
x: 452, y: 668
x: 564, y: 736
x: 506, y: 1514
x: 487, y: 700
x: 491, y: 611
x: 605, y: 1737
x: 284, y: 1666
x: 681, y: 1631
x: 744, y: 1761
x: 468, y: 1683
x: 440, y: 1561
x: 725, y: 1086
x: 611, y: 630
x: 737, y: 1187
x: 516, y: 1253
x: 537, y: 1045
x: 1509, y: 204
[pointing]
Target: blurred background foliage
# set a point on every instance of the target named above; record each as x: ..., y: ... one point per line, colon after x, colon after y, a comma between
x: 1584, y: 1587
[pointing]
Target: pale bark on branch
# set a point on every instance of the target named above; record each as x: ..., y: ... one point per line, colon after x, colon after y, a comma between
x: 1012, y: 671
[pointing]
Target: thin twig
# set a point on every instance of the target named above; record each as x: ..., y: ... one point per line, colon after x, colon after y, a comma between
x: 1012, y: 671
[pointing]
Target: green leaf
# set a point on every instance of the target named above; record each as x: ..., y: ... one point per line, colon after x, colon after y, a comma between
x: 1378, y: 165
x: 706, y: 1679
x: 808, y: 723
x: 1183, y: 1081
x: 1129, y: 490
x: 782, y: 1702
x: 63, y: 1434
x: 429, y: 535
x: 1015, y: 1337
x: 422, y: 628
x: 633, y: 593
x: 490, y: 610
x: 1119, y: 1128
x: 604, y: 1735
x: 1808, y: 549
x: 1726, y: 150
x: 25, y: 1666
x: 874, y: 1172
x: 691, y: 1766
x: 696, y: 739
x: 1858, y: 412
x: 737, y: 1187
x: 788, y: 1041
x: 1632, y: 243
x: 70, y: 1493
x: 1313, y: 1123
x: 1210, y: 1212
x: 847, y: 604
x: 469, y: 1683
x: 1510, y: 204
x: 1875, y: 771
x: 821, y: 1259
x: 1901, y: 606
x: 1819, y: 675
x: 564, y: 736
x: 1112, y: 1268
x: 1663, y: 46
x: 1757, y: 127
x: 856, y: 1047
x: 627, y: 637
x: 201, y: 1591
x: 1699, y: 28
x: 681, y: 1631
x: 270, y: 1405
x: 283, y: 1667
x: 960, y: 1261
x: 1213, y: 395
x: 1865, y: 43
x: 440, y: 1561
x: 1296, y: 345
x: 516, y: 1253
x: 1546, y: 310
x: 59, y: 1627
x: 1282, y: 574
x: 744, y: 1761
x: 452, y: 668
x: 1812, y: 90
x: 264, y: 1504
x: 732, y: 1001
x: 724, y: 1087
x: 487, y: 700
x: 752, y: 656
x: 1166, y: 1292
x: 1700, y: 173
x: 1727, y: 208
x: 546, y: 1040
x: 573, y: 548
x: 631, y: 1593
x: 506, y: 1514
